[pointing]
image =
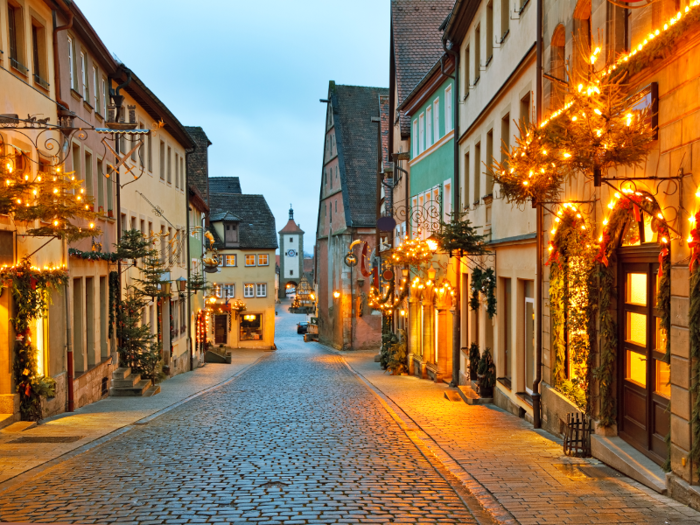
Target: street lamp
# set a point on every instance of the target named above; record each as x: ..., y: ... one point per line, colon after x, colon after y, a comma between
x: 165, y: 287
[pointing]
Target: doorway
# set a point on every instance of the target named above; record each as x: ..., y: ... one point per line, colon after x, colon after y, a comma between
x: 644, y: 391
x: 220, y: 329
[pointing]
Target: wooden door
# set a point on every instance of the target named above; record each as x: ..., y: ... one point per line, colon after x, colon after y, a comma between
x: 644, y: 391
x: 220, y: 329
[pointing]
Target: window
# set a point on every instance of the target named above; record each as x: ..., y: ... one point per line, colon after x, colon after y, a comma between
x: 16, y: 35
x: 415, y: 138
x: 467, y: 72
x: 110, y: 193
x: 229, y: 291
x: 39, y: 54
x: 467, y: 168
x: 182, y: 173
x: 86, y: 84
x: 230, y: 260
x: 96, y: 101
x: 149, y: 153
x: 76, y: 161
x: 231, y: 234
x: 489, y: 160
x: 428, y: 127
x: 248, y: 290
x: 505, y: 138
x: 170, y: 177
x: 436, y: 118
x: 40, y: 340
x: 217, y: 290
x: 262, y: 259
x: 477, y: 54
x: 177, y: 171
x: 100, y: 187
x: 291, y: 272
x: 162, y: 160
x: 104, y: 102
x: 525, y: 109
x: 251, y: 327
x: 421, y: 133
x: 489, y: 32
x: 250, y: 260
x: 336, y: 205
x: 262, y: 289
x: 448, y: 109
x: 331, y: 170
x: 447, y: 201
x: 71, y: 63
x: 88, y: 175
x: 557, y: 68
x: 505, y: 19
x: 140, y: 149
x: 477, y: 173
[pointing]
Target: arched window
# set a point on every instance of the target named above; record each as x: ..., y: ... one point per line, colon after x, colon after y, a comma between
x: 582, y: 41
x: 557, y: 68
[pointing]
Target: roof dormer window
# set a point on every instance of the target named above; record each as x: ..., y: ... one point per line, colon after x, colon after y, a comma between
x: 230, y: 234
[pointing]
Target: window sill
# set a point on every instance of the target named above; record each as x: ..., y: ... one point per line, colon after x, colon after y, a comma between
x: 505, y: 382
x: 18, y: 67
x: 99, y: 116
x: 41, y: 86
x: 75, y: 94
x: 87, y: 106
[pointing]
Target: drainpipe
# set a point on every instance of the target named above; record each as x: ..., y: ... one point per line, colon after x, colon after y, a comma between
x: 70, y: 369
x: 56, y: 61
x: 188, y: 152
x: 456, y: 328
x: 536, y: 409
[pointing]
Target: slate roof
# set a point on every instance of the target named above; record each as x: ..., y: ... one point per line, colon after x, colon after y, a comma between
x: 256, y: 228
x: 224, y: 185
x: 416, y: 43
x: 356, y: 140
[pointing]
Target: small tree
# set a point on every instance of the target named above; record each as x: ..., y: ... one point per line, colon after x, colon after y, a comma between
x: 459, y: 236
x: 138, y: 349
x: 486, y: 372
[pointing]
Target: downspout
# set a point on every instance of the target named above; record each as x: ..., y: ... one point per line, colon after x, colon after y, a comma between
x: 56, y: 69
x: 456, y: 328
x: 70, y: 368
x: 536, y: 410
x: 188, y: 152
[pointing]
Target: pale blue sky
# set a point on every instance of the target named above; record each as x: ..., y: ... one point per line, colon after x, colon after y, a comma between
x: 251, y: 74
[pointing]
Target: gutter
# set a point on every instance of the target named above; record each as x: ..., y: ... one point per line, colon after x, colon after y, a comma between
x: 188, y: 152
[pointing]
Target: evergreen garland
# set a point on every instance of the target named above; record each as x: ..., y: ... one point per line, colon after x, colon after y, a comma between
x: 605, y: 371
x: 113, y: 300
x: 93, y: 256
x: 30, y: 287
x: 663, y: 303
x: 483, y: 281
x: 694, y: 327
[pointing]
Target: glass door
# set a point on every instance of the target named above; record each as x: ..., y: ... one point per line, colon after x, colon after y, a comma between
x: 644, y: 382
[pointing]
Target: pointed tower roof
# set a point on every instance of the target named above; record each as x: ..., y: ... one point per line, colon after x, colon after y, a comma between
x: 291, y: 226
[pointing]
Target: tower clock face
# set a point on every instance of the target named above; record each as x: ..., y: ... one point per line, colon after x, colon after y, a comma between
x: 291, y: 253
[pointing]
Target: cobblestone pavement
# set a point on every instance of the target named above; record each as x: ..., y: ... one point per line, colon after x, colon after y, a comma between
x: 525, y: 470
x: 295, y: 439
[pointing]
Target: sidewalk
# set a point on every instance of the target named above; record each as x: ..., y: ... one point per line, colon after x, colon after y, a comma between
x: 88, y: 425
x: 525, y: 470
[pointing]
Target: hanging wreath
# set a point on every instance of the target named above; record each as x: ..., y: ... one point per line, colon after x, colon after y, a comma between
x: 571, y: 261
x: 626, y: 206
x: 411, y: 252
x: 483, y: 282
x: 30, y: 287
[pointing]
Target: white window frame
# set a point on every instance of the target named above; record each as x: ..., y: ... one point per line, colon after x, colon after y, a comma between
x: 226, y: 259
x: 71, y: 63
x: 246, y: 260
x: 261, y: 287
x: 415, y: 138
x: 446, y: 199
x: 267, y: 259
x: 104, y: 98
x: 83, y: 70
x: 248, y: 290
x: 428, y: 127
x: 421, y: 133
x: 436, y: 118
x: 229, y: 291
x: 96, y: 95
x: 448, y: 109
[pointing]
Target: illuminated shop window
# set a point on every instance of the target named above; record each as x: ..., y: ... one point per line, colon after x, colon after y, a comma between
x: 251, y: 327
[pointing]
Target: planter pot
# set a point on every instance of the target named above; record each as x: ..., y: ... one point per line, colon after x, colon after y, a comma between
x: 110, y: 214
x: 484, y: 390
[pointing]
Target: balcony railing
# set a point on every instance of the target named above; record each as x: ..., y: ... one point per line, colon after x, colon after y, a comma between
x: 18, y: 66
x: 39, y: 80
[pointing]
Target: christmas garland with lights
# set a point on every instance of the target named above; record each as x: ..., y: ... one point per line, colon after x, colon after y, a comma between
x: 113, y: 300
x: 411, y: 252
x: 628, y: 206
x: 30, y: 287
x: 571, y: 261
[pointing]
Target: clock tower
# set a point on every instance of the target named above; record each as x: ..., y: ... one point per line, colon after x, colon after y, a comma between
x: 291, y: 255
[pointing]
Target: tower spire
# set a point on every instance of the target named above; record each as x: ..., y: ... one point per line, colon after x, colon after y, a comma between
x: 291, y: 212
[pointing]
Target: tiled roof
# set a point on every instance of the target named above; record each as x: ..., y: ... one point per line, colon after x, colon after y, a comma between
x: 256, y: 228
x: 356, y: 139
x: 224, y: 185
x: 291, y: 227
x: 417, y: 43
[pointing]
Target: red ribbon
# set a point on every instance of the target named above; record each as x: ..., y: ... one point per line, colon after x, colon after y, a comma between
x: 662, y: 256
x: 637, y: 215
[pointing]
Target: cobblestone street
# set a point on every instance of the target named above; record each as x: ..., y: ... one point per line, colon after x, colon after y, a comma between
x: 295, y: 439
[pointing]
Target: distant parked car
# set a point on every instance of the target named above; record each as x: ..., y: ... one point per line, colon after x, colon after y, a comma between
x: 302, y: 327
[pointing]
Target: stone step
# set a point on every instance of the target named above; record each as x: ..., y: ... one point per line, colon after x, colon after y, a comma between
x: 152, y: 391
x: 20, y: 426
x: 6, y: 420
x: 471, y: 397
x: 121, y: 373
x: 137, y: 390
x: 129, y: 382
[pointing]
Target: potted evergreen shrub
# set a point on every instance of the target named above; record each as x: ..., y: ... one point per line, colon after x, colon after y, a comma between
x: 486, y: 374
x: 474, y: 356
